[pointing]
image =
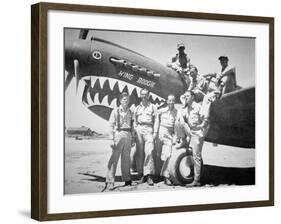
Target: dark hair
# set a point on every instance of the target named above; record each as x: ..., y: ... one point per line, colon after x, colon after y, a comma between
x: 122, y: 95
x: 223, y: 58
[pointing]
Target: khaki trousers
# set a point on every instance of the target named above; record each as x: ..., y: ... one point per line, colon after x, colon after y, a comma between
x: 165, y: 142
x: 196, y: 145
x: 196, y: 141
x: 123, y: 148
x: 144, y: 149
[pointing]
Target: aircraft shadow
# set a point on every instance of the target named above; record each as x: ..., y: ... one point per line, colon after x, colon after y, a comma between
x: 98, y: 178
x: 217, y: 175
x: 212, y: 175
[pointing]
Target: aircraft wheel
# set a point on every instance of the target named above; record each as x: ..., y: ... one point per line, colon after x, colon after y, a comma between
x: 181, y: 166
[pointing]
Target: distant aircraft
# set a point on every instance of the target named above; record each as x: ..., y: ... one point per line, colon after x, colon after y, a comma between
x: 107, y: 69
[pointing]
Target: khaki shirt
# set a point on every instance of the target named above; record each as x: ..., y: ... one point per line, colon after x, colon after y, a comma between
x: 167, y: 117
x: 182, y: 61
x: 228, y: 77
x: 145, y: 115
x: 125, y: 118
x: 198, y: 85
x: 193, y: 116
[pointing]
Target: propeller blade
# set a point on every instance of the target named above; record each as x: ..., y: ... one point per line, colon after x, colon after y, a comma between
x: 76, y: 73
x: 83, y: 34
x: 68, y: 79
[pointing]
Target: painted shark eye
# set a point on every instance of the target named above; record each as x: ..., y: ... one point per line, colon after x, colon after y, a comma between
x: 96, y: 55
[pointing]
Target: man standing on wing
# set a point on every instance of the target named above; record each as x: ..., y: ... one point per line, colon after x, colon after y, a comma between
x: 166, y: 123
x: 146, y: 132
x: 193, y: 125
x: 121, y: 130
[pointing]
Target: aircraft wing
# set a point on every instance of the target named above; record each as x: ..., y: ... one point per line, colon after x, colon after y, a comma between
x: 232, y: 119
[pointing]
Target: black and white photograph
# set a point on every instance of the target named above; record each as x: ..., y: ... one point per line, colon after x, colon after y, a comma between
x: 150, y: 111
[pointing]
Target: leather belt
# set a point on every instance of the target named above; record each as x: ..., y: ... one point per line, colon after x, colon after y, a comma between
x: 124, y: 129
x: 144, y: 123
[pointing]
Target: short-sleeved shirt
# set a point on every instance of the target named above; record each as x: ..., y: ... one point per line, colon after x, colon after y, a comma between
x: 145, y: 114
x: 198, y: 84
x: 167, y: 117
x: 228, y: 77
x: 182, y: 61
x: 124, y: 117
x: 192, y: 115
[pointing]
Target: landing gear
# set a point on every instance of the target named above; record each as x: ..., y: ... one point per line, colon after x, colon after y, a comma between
x: 181, y: 166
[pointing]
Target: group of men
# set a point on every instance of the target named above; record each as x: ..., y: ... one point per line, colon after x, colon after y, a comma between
x: 225, y: 78
x: 168, y: 126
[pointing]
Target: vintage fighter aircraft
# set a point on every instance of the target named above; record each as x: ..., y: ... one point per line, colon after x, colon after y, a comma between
x: 107, y: 69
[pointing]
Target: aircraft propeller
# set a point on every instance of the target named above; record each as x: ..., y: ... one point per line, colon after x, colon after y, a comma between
x: 69, y: 76
x: 83, y: 34
x: 76, y: 72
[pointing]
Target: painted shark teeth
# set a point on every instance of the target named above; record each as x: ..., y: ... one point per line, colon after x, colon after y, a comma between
x: 113, y: 103
x: 111, y: 83
x: 89, y: 99
x: 105, y: 100
x: 96, y: 99
x: 130, y: 88
x: 154, y: 96
x: 93, y: 80
x: 138, y: 91
x: 121, y: 85
x: 159, y: 101
x: 102, y: 80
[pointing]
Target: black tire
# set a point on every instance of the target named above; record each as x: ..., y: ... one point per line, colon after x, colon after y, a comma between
x: 181, y: 166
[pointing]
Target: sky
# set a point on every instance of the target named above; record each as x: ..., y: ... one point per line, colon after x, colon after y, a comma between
x: 202, y: 50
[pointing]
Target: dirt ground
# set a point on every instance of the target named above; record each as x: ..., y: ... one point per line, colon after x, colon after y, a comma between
x: 86, y: 161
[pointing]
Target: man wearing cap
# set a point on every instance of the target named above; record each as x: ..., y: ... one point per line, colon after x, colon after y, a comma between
x: 181, y: 63
x: 145, y: 116
x: 121, y: 131
x: 226, y: 77
x: 166, y: 124
x: 191, y: 127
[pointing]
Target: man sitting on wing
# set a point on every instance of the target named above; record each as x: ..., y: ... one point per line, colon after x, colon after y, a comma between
x: 181, y: 63
x: 225, y: 78
x: 198, y: 84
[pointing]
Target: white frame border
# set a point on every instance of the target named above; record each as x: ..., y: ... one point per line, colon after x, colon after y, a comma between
x: 59, y: 203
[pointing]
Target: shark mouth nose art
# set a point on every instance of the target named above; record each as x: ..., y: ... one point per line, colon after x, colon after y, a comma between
x: 105, y: 91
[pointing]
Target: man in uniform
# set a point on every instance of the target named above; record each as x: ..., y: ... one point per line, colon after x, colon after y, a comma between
x: 193, y: 125
x: 198, y: 84
x: 181, y: 63
x: 121, y: 131
x: 225, y: 79
x: 166, y: 123
x: 146, y: 132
